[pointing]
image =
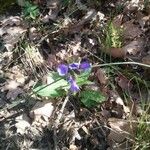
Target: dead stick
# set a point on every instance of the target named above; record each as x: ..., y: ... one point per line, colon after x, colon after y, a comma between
x: 58, y: 120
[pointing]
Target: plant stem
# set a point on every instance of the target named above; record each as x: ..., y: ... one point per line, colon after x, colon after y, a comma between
x: 121, y: 63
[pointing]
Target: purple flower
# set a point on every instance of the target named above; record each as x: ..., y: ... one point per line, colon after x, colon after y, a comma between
x: 74, y: 66
x: 62, y: 70
x: 73, y: 85
x: 84, y: 65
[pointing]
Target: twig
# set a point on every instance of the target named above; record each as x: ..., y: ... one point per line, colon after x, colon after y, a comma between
x: 58, y: 120
x: 61, y: 112
x: 121, y: 63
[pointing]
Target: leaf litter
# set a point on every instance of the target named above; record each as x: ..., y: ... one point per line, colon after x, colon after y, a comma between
x: 104, y: 114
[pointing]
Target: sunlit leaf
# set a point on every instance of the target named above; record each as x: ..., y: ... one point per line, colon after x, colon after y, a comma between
x: 91, y: 98
x: 54, y: 88
x: 83, y: 78
x: 57, y: 86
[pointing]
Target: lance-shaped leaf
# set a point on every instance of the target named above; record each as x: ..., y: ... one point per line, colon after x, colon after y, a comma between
x: 55, y: 86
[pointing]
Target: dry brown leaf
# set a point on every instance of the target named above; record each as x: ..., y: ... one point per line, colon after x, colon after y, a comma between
x: 53, y: 6
x: 5, y: 58
x: 121, y: 129
x: 23, y: 122
x: 117, y: 21
x: 62, y: 54
x: 101, y: 76
x: 136, y: 108
x: 51, y: 61
x: 33, y: 34
x: 117, y: 111
x: 76, y: 27
x: 134, y: 5
x: 105, y: 113
x: 11, y: 35
x: 17, y: 74
x: 118, y: 146
x: 116, y: 52
x: 119, y: 104
x: 42, y: 110
x: 135, y: 46
x: 12, y: 94
x: 144, y: 21
x: 13, y: 89
x: 73, y: 50
x: 139, y: 15
x: 130, y: 30
x: 146, y: 60
x: 12, y: 20
x: 10, y: 85
x: 75, y: 47
x: 125, y: 108
x: 73, y: 147
x: 124, y: 83
x: 88, y: 16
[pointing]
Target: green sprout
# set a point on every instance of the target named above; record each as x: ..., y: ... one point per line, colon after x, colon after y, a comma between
x: 30, y: 10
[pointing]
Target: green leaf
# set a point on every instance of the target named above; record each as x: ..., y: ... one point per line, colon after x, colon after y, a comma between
x: 30, y: 10
x: 56, y: 85
x: 83, y: 78
x: 55, y: 88
x: 91, y: 98
x: 33, y: 8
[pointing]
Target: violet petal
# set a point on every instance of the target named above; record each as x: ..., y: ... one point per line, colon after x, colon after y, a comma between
x: 73, y: 85
x: 74, y: 66
x: 85, y: 65
x: 62, y: 70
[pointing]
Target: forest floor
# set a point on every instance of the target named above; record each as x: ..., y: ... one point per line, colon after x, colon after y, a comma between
x: 110, y: 109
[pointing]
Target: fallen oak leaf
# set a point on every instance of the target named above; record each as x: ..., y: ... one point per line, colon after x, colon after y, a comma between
x: 134, y: 47
x: 123, y: 82
x: 13, y: 89
x: 101, y: 76
x: 42, y: 110
x: 130, y: 30
x: 121, y: 129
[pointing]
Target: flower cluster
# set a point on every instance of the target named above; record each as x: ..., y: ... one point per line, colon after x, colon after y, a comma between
x: 64, y: 70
